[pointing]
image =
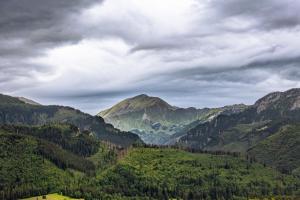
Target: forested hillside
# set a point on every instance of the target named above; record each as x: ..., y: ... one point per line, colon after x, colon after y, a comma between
x: 50, y: 158
x: 281, y: 150
x: 25, y: 171
x: 239, y: 132
x: 43, y: 151
x: 269, y: 131
x: 15, y: 111
x: 61, y: 159
x: 163, y: 173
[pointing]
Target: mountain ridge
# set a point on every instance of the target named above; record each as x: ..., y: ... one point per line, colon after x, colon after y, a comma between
x: 136, y: 103
x: 155, y: 120
x: 28, y: 101
x: 252, y: 128
x: 15, y: 111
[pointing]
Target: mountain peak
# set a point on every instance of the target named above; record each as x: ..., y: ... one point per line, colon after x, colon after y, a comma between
x: 289, y: 99
x: 136, y: 103
x: 141, y: 96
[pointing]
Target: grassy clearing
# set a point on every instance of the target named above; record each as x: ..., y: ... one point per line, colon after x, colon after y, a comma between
x: 52, y: 197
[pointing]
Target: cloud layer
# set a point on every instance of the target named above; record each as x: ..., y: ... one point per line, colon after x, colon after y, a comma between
x: 90, y: 54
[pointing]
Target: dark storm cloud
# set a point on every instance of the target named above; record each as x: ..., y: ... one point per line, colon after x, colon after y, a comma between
x: 26, y: 16
x: 251, y: 73
x: 29, y: 27
x: 267, y: 14
x: 40, y: 23
x: 92, y: 94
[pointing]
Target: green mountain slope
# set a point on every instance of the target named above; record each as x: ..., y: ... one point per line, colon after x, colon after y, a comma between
x: 24, y: 172
x: 5, y: 99
x: 241, y: 129
x: 175, y: 174
x: 45, y: 159
x: 58, y: 158
x: 154, y: 120
x: 281, y: 150
x: 268, y: 131
x: 14, y: 111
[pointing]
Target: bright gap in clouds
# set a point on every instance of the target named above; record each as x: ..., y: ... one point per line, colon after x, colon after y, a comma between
x: 149, y: 19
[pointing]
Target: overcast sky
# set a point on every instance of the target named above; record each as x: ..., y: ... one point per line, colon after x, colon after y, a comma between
x: 90, y: 54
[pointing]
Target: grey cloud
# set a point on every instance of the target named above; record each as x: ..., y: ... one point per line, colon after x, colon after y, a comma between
x: 40, y: 23
x: 29, y: 27
x: 26, y: 16
x: 268, y: 14
x: 254, y: 72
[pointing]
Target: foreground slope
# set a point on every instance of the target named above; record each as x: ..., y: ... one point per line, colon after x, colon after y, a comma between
x: 46, y: 159
x: 24, y: 172
x: 170, y: 173
x: 155, y: 120
x: 15, y: 111
x: 59, y: 159
x: 281, y: 150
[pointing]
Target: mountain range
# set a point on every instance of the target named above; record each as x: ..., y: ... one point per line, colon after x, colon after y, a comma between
x: 254, y: 129
x: 232, y: 152
x: 269, y: 130
x: 155, y: 121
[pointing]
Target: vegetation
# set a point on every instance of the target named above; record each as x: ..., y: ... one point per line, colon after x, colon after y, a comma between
x: 42, y: 155
x: 154, y: 120
x: 169, y: 173
x: 66, y: 136
x: 24, y: 172
x: 51, y: 197
x: 141, y: 173
x: 281, y: 150
x: 16, y: 112
x: 44, y: 159
x: 241, y: 131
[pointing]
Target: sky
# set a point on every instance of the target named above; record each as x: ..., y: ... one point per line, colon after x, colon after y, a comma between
x: 90, y: 54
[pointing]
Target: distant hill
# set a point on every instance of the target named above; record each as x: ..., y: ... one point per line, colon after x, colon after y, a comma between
x: 256, y: 125
x: 15, y: 111
x: 155, y: 120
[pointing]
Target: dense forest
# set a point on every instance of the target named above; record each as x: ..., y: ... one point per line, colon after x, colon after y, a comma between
x: 60, y: 158
x: 15, y: 112
x: 169, y: 173
x: 55, y: 149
